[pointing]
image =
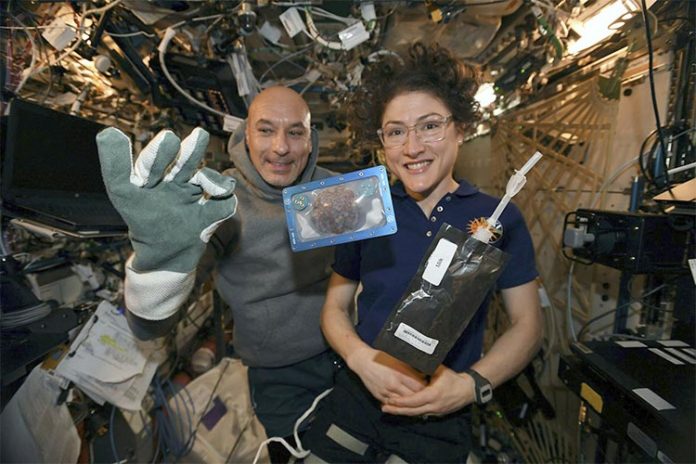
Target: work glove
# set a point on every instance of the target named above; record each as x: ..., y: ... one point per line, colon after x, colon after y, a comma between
x: 171, y: 207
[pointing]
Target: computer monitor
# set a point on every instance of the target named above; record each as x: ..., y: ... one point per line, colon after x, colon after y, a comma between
x: 51, y: 170
x: 51, y: 152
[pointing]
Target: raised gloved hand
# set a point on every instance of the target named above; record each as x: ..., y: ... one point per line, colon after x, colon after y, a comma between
x: 171, y: 207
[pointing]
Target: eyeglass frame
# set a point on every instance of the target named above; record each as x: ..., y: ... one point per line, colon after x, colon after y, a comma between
x: 447, y: 119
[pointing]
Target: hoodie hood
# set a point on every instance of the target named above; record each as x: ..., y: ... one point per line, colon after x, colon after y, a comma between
x: 236, y: 147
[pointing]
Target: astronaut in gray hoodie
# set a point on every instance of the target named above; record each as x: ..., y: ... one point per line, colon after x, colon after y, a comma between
x: 180, y: 236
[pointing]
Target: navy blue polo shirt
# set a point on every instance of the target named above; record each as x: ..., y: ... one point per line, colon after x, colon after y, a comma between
x: 385, y: 265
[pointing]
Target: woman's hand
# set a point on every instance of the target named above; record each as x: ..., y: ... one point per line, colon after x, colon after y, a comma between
x: 383, y: 375
x: 447, y: 392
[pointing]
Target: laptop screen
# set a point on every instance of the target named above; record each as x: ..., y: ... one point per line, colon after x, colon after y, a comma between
x: 50, y: 153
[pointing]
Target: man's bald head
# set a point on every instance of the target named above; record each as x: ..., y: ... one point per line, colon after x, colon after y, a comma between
x: 278, y: 135
x: 279, y: 99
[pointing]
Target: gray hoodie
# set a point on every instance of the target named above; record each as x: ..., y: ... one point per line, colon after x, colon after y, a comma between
x: 275, y: 295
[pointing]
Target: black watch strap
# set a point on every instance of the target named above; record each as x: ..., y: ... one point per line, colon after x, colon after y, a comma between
x: 483, y: 388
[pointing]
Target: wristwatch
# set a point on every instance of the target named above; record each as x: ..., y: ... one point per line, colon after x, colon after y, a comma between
x: 482, y: 387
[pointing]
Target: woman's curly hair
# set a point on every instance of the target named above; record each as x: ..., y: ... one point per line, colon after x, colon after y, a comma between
x: 432, y: 69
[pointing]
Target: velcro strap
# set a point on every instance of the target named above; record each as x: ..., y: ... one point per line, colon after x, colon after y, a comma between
x: 346, y: 440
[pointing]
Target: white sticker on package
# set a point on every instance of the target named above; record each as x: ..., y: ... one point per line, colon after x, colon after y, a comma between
x: 416, y: 339
x: 439, y: 261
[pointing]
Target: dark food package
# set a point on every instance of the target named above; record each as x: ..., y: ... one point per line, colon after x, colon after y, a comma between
x: 452, y: 281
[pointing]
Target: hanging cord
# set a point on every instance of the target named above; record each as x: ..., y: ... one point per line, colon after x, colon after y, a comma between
x: 569, y: 306
x: 299, y: 452
x: 162, y: 49
x: 658, y: 124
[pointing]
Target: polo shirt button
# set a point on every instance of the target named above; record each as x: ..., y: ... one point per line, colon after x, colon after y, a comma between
x: 433, y: 219
x: 448, y: 198
x: 428, y: 234
x: 439, y: 209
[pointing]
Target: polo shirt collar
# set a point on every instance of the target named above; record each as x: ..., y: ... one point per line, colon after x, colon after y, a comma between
x: 465, y: 189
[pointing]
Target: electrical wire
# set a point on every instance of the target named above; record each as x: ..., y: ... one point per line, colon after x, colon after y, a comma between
x: 162, y: 48
x: 569, y: 307
x: 651, y: 78
x: 101, y: 9
x: 298, y: 3
x: 283, y: 60
x: 348, y: 21
x: 176, y: 433
x: 617, y: 172
x: 34, y: 53
x: 151, y: 435
x: 79, y: 36
x: 14, y: 28
x: 646, y: 158
x: 312, y: 32
x: 188, y: 445
x: 275, y: 51
x: 641, y: 157
x: 377, y: 55
x: 131, y: 34
x: 586, y: 325
x: 172, y: 428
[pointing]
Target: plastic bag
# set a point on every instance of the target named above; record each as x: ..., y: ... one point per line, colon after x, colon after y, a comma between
x: 452, y: 281
x: 339, y: 209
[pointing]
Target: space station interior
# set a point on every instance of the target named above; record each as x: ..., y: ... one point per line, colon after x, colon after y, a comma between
x: 191, y: 272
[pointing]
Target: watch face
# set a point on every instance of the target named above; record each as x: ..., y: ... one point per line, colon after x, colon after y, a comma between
x: 486, y: 393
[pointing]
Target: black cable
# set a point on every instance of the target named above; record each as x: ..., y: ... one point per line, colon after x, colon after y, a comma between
x: 611, y: 311
x: 658, y: 124
x: 600, y: 316
x: 641, y: 154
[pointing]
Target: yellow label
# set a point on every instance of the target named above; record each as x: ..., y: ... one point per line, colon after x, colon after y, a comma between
x: 109, y: 341
x: 588, y: 394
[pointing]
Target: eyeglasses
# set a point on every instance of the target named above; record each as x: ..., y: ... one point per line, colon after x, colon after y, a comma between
x: 432, y: 129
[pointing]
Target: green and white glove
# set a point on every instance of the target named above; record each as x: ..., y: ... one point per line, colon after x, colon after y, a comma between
x: 171, y: 207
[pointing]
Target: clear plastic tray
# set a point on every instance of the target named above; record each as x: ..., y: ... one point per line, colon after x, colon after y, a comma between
x: 340, y: 209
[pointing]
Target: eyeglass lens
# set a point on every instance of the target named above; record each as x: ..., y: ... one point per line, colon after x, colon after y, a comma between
x: 430, y: 130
